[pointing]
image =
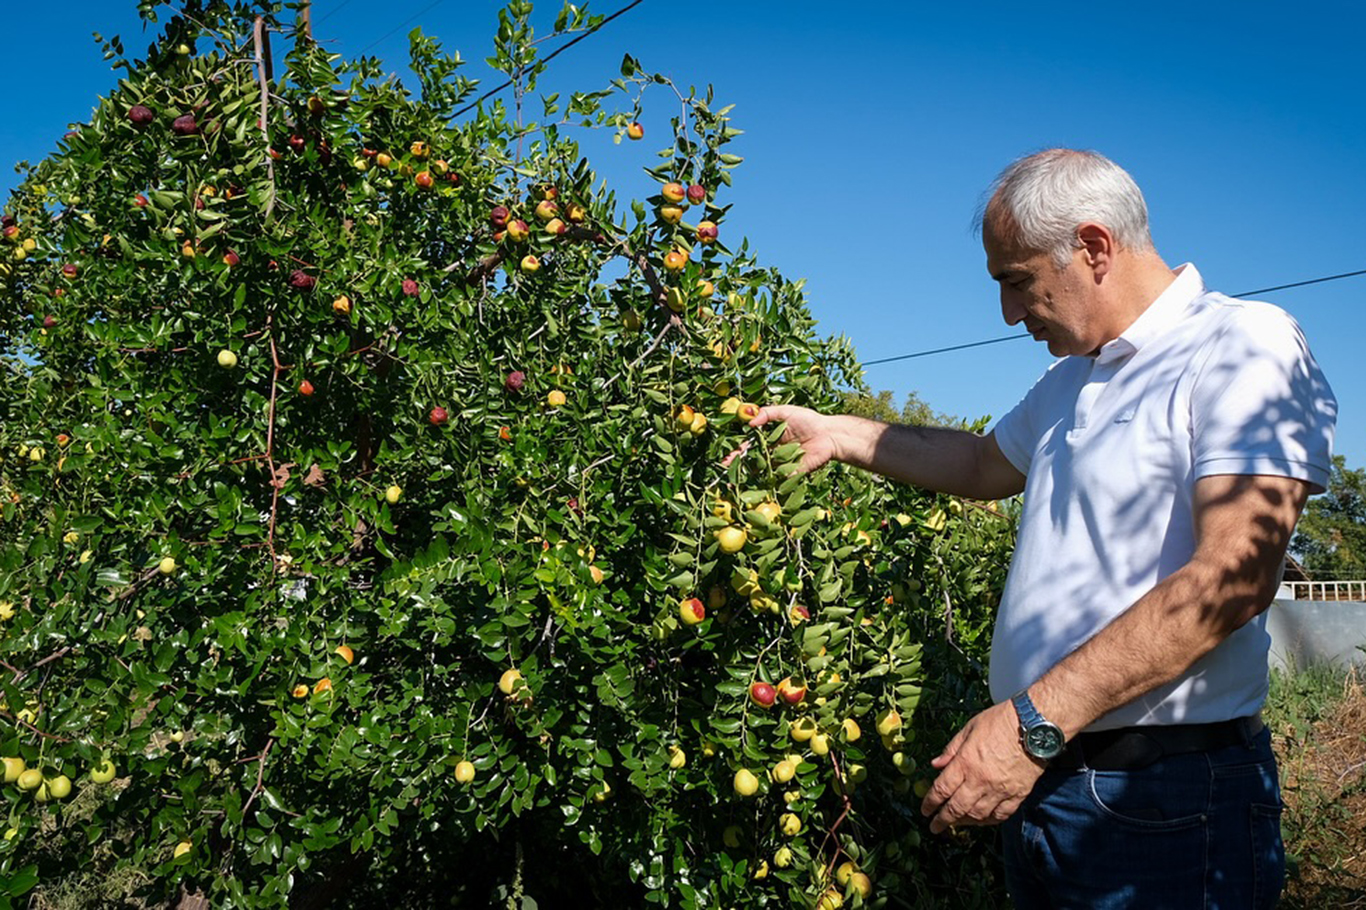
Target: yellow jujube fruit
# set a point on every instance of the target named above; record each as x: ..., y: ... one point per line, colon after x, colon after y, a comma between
x: 59, y: 787
x: 830, y: 900
x: 745, y: 583
x: 731, y: 539
x: 13, y: 768
x: 509, y: 680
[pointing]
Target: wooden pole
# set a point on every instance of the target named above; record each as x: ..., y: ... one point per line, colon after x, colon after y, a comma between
x: 265, y: 75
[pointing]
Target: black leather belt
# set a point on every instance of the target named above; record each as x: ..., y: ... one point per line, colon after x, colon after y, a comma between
x: 1130, y: 748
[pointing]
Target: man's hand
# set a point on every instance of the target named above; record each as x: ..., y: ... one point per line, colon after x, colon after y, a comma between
x: 984, y: 773
x: 804, y: 426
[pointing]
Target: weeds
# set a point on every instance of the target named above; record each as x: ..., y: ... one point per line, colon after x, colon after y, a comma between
x: 1318, y: 721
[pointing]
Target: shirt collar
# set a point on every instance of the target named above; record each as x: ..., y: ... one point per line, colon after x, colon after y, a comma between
x: 1160, y: 315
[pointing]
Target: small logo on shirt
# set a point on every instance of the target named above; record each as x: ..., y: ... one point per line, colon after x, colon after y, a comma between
x: 1126, y: 415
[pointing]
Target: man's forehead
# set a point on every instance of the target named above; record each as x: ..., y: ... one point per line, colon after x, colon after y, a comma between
x: 1003, y: 253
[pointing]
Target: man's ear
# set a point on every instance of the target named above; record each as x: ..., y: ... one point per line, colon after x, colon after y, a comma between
x: 1098, y: 248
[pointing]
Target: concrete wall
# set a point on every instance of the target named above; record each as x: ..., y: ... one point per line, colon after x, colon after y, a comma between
x: 1305, y: 632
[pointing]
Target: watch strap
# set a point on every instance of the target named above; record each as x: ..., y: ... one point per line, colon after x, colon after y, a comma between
x: 1024, y: 707
x: 1039, y: 737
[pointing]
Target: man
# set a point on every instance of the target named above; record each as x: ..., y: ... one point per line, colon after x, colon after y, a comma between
x: 1164, y: 461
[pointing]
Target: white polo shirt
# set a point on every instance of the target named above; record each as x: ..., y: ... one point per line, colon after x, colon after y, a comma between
x: 1111, y: 446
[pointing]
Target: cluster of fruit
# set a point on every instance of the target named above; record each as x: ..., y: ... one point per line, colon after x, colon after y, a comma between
x: 426, y: 171
x: 556, y: 216
x: 324, y: 685
x: 22, y: 246
x: 49, y: 787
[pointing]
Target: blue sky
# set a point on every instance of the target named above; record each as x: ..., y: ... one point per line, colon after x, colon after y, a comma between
x: 872, y: 130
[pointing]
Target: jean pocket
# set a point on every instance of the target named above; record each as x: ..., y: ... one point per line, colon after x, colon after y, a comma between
x: 1268, y: 866
x: 1149, y: 801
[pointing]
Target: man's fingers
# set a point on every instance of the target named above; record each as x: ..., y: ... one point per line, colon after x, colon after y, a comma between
x: 771, y: 412
x: 956, y: 810
x: 950, y: 750
x: 970, y: 806
x: 744, y: 447
x: 945, y: 785
x: 774, y: 413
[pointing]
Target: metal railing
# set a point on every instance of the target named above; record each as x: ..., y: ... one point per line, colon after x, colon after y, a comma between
x: 1327, y: 590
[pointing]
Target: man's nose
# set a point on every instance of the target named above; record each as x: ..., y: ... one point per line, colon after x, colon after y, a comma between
x: 1011, y: 310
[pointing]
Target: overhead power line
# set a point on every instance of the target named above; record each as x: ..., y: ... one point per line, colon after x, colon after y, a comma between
x: 548, y: 57
x: 955, y: 347
x: 401, y: 25
x: 336, y: 9
x: 1300, y: 284
x: 978, y: 344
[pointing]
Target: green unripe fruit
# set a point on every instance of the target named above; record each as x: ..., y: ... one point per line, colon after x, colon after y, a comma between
x: 103, y: 773
x: 59, y: 786
x: 13, y: 768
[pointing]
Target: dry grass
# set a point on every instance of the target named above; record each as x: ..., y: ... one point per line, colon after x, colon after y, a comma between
x: 1318, y: 721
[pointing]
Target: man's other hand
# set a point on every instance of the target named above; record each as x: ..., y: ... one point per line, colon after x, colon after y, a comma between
x: 984, y: 773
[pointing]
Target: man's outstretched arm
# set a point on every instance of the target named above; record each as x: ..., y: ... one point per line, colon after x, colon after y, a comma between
x: 933, y: 458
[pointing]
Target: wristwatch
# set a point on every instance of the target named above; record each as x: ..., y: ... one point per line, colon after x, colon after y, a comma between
x: 1040, y: 738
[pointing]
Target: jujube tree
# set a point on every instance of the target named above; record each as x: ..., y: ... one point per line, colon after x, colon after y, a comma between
x: 367, y: 505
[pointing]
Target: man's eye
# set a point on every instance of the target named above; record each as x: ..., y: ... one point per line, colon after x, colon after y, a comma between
x: 1020, y: 284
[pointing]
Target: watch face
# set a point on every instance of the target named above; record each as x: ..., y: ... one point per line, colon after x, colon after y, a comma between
x: 1043, y: 741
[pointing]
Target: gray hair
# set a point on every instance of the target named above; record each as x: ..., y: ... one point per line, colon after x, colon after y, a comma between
x: 1039, y: 201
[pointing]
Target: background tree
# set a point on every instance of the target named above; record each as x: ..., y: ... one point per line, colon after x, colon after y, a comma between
x: 365, y: 533
x: 1330, y: 539
x: 881, y: 405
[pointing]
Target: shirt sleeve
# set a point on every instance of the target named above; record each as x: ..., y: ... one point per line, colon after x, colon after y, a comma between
x: 1260, y: 404
x: 1017, y: 433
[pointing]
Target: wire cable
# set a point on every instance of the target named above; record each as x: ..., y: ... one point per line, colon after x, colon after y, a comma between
x: 1300, y: 284
x: 336, y: 9
x: 955, y: 347
x: 403, y: 24
x: 551, y: 56
x: 978, y: 344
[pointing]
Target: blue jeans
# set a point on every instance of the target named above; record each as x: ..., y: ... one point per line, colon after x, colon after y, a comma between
x: 1200, y: 830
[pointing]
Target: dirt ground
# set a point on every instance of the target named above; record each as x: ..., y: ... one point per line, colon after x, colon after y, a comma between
x: 1323, y: 781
